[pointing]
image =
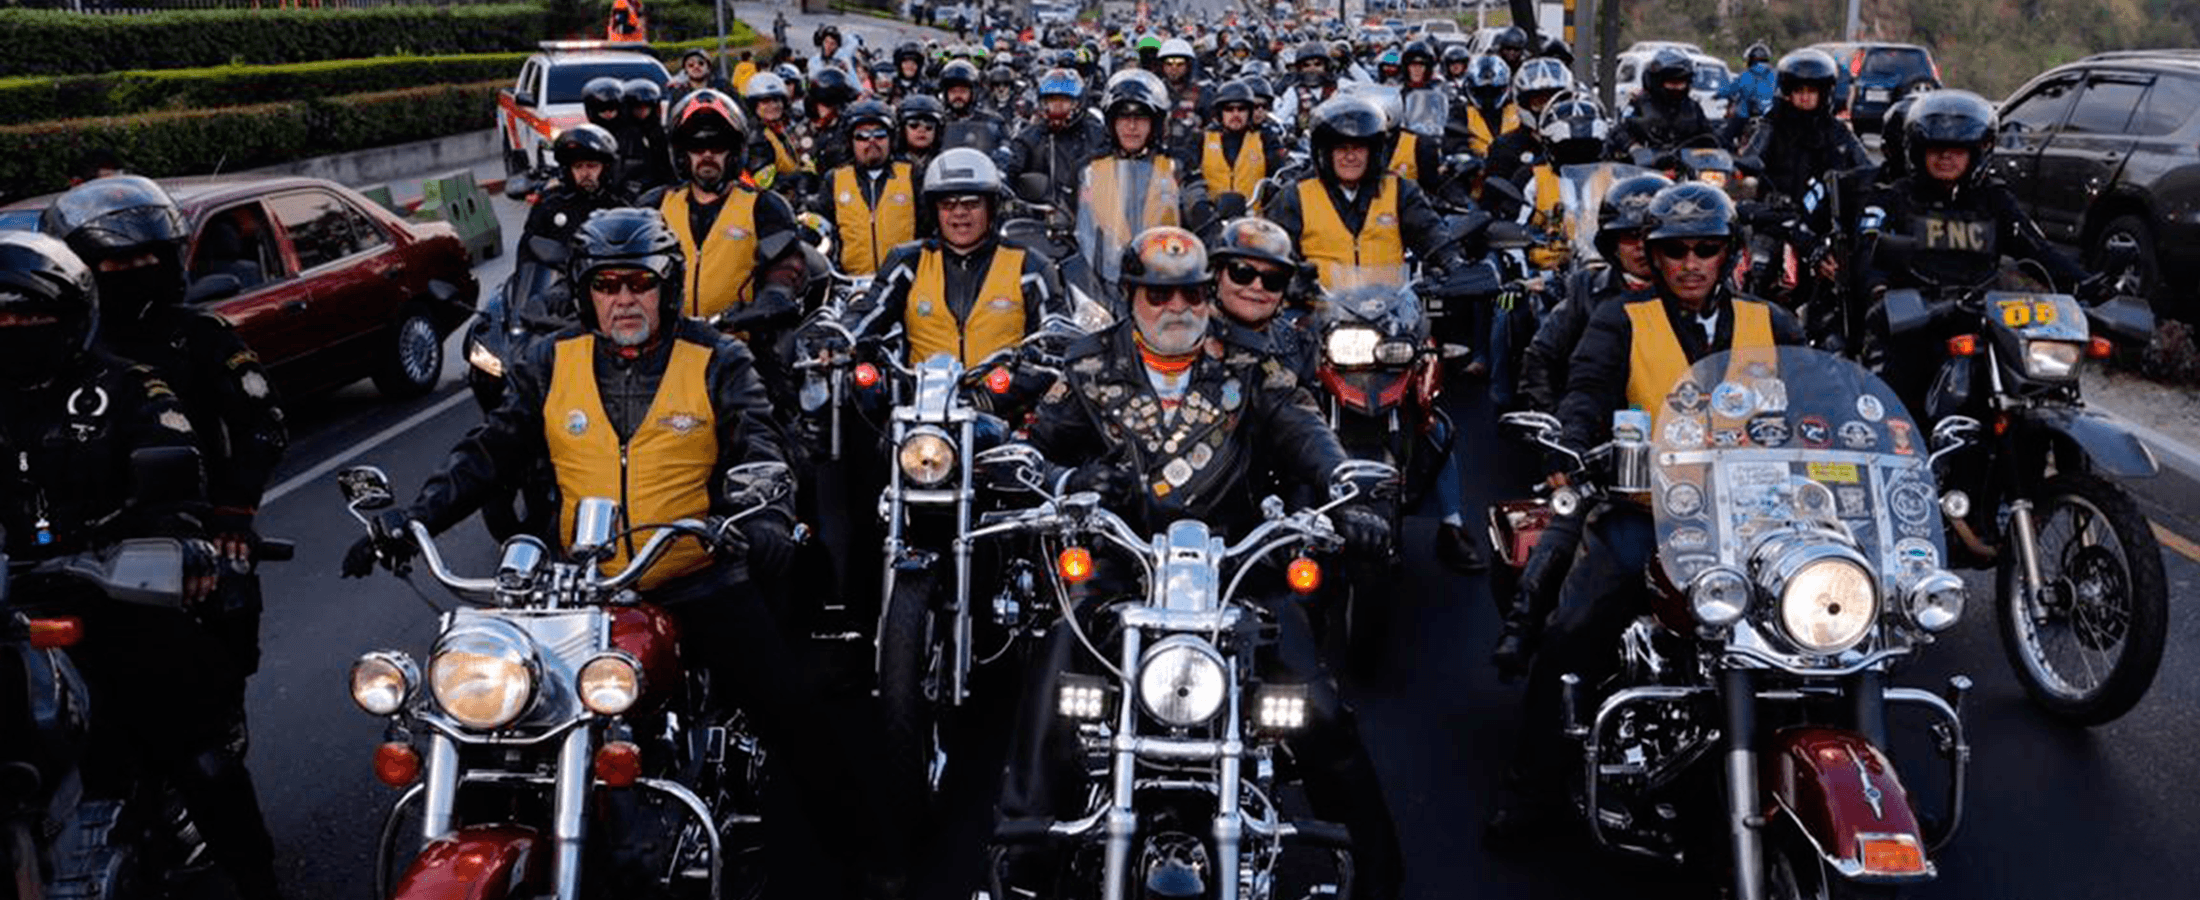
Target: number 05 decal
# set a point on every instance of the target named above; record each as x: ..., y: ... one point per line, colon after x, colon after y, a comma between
x: 2019, y: 313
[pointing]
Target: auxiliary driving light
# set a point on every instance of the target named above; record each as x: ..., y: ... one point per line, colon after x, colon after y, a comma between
x: 1280, y: 707
x: 618, y: 763
x: 396, y: 764
x: 1074, y: 564
x: 1083, y: 697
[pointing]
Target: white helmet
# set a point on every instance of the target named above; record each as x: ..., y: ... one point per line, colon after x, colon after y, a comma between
x: 764, y: 86
x: 1175, y: 47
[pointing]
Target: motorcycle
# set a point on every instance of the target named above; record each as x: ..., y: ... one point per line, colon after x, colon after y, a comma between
x: 567, y: 751
x: 533, y: 304
x: 1185, y: 730
x: 2082, y: 599
x: 1799, y: 562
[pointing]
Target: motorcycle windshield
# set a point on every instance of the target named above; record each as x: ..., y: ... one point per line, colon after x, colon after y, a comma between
x: 1582, y: 187
x: 1427, y: 112
x: 1117, y: 200
x: 1376, y: 296
x: 1753, y: 441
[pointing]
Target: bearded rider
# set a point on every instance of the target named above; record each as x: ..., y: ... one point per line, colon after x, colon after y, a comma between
x: 872, y: 203
x: 588, y: 160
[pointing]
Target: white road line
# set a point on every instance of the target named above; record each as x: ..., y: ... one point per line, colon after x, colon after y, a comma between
x: 328, y: 465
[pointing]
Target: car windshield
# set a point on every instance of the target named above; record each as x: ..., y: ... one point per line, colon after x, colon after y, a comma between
x: 566, y: 81
x: 1895, y: 61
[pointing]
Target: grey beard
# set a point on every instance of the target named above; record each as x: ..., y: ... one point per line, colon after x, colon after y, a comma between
x: 1166, y: 345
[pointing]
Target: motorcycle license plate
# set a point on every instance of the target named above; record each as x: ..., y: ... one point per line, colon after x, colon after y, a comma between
x: 1875, y: 96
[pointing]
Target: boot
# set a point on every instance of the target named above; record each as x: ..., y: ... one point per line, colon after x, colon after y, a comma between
x: 1455, y: 547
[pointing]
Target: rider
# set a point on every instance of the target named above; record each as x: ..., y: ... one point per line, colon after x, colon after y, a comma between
x: 1235, y: 156
x: 1419, y: 67
x: 603, y: 103
x: 1458, y: 57
x: 1002, y: 95
x: 959, y: 89
x: 133, y: 239
x: 1135, y: 186
x: 1664, y: 117
x: 1749, y: 95
x: 689, y: 404
x: 1631, y: 355
x: 1535, y: 85
x: 922, y: 118
x: 1316, y: 82
x: 774, y: 153
x: 1800, y: 140
x: 1255, y: 271
x: 1208, y: 415
x: 1484, y: 103
x: 1061, y: 142
x: 1511, y: 45
x: 695, y: 74
x: 588, y: 180
x: 909, y: 70
x: 1177, y: 63
x: 644, y: 163
x: 740, y: 240
x: 831, y: 90
x: 872, y: 201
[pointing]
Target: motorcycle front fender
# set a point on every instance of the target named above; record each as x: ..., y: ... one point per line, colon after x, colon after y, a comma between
x: 2112, y: 449
x: 480, y: 862
x: 1845, y: 796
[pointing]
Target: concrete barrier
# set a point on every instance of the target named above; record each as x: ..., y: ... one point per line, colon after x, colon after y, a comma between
x: 395, y: 163
x: 455, y: 198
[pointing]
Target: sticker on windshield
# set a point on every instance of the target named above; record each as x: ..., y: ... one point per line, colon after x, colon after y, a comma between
x: 1833, y: 473
x: 1726, y: 438
x: 1815, y: 432
x: 1911, y: 501
x: 1856, y: 435
x: 1768, y: 429
x: 1689, y: 538
x: 1684, y: 501
x: 1684, y: 433
x: 1870, y: 408
x: 1916, y: 553
x: 1732, y: 400
x: 1772, y: 395
x: 1898, y: 432
x: 1687, y: 397
x: 1853, y: 502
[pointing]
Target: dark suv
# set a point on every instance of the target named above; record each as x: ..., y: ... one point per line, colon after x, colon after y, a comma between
x: 1874, y: 75
x: 2105, y: 152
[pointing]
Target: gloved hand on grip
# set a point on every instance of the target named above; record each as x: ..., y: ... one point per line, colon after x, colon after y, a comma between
x: 770, y: 545
x: 390, y: 541
x: 1114, y: 483
x: 1365, y: 531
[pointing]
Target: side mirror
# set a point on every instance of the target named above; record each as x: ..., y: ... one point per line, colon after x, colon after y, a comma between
x: 1032, y: 187
x: 146, y: 571
x: 2125, y: 318
x: 517, y: 187
x: 523, y: 98
x: 758, y: 483
x: 366, y: 488
x: 1017, y: 468
x: 1906, y: 311
x: 164, y: 475
x: 214, y: 286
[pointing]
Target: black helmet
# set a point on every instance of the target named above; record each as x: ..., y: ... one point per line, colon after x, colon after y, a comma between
x: 707, y: 118
x: 601, y: 97
x: 1757, y: 53
x: 959, y: 73
x: 1573, y: 130
x: 1512, y: 38
x: 627, y: 237
x: 41, y: 278
x: 1624, y: 206
x: 1350, y: 119
x: 1313, y: 51
x: 1460, y: 54
x: 1165, y: 256
x: 909, y: 50
x: 1000, y: 75
x: 1950, y: 119
x: 1236, y: 91
x: 1264, y: 90
x: 1809, y: 67
x: 1690, y: 209
x: 1555, y: 47
x: 582, y: 143
x: 831, y: 86
x: 1892, y: 140
x: 120, y: 217
x: 1253, y: 237
x: 1489, y: 79
x: 642, y: 94
x: 1418, y: 52
x: 1668, y: 64
x: 867, y: 110
x: 921, y: 107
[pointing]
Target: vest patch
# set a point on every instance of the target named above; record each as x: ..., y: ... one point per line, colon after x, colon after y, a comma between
x: 682, y: 423
x: 576, y: 423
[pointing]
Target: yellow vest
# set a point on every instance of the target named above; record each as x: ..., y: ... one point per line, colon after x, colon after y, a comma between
x: 718, y: 271
x: 1405, y: 158
x: 783, y: 158
x: 1104, y: 197
x: 660, y: 474
x: 995, y: 321
x: 741, y: 72
x: 1479, y: 133
x: 867, y: 234
x: 1328, y: 244
x: 1656, y: 362
x: 1241, y: 177
x: 1550, y: 214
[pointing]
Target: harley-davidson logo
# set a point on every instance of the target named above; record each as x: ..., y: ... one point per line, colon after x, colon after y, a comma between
x: 681, y: 423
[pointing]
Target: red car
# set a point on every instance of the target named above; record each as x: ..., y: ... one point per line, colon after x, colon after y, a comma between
x: 324, y: 284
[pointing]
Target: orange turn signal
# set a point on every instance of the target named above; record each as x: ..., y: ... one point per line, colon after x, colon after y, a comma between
x: 49, y: 634
x: 2100, y: 348
x: 1074, y: 564
x: 865, y: 375
x: 1963, y: 345
x: 1304, y: 575
x: 1891, y: 854
x: 396, y: 764
x: 2001, y: 425
x: 618, y: 763
x: 998, y: 380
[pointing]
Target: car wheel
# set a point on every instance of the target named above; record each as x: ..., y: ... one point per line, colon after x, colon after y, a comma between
x: 2131, y: 231
x: 412, y: 355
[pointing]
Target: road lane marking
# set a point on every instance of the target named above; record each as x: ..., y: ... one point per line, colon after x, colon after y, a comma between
x: 381, y: 437
x: 2183, y: 545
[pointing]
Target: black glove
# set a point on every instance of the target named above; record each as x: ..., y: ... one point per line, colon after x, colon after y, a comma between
x: 770, y: 545
x: 1365, y: 531
x: 389, y: 540
x: 1110, y: 480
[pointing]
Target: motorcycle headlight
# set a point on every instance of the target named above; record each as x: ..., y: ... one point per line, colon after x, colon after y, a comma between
x: 382, y: 681
x: 2052, y: 360
x: 479, y: 357
x: 1182, y: 681
x: 1713, y: 177
x: 1394, y: 353
x: 1828, y: 605
x: 1352, y: 346
x: 483, y: 674
x: 609, y: 684
x: 1719, y: 596
x: 927, y: 457
x: 1936, y: 601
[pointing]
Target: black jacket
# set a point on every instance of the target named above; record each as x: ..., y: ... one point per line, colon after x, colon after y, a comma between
x: 1793, y: 147
x: 1596, y: 381
x: 561, y: 209
x: 227, y: 395
x: 67, y: 449
x: 1511, y: 152
x: 1543, y: 367
x: 1061, y: 156
x: 1918, y: 207
x: 1418, y: 221
x: 1243, y: 414
x: 1660, y: 125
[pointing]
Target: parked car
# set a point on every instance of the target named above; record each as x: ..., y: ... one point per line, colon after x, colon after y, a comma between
x: 2105, y: 152
x: 325, y: 285
x: 1874, y: 75
x: 1711, y: 75
x: 546, y: 98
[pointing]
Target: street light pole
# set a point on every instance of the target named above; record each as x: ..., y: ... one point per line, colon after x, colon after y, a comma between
x: 1854, y: 24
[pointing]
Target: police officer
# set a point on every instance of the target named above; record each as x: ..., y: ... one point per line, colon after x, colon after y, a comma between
x: 1664, y: 117
x: 1800, y: 140
x: 588, y: 180
x: 737, y: 242
x: 167, y: 684
x: 1632, y: 354
x: 1204, y: 414
x: 871, y: 202
x: 1135, y: 185
x: 1061, y: 142
x: 583, y: 403
x: 1234, y: 156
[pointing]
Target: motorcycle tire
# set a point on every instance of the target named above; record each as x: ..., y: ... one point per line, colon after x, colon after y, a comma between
x: 2132, y: 570
x: 908, y: 682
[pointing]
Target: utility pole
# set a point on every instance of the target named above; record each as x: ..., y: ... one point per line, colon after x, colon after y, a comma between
x: 1854, y: 25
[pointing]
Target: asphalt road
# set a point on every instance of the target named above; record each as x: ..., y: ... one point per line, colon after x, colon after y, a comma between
x: 2054, y: 812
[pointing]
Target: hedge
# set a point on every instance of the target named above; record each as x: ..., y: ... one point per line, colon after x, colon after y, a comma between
x: 35, y: 159
x: 47, y: 42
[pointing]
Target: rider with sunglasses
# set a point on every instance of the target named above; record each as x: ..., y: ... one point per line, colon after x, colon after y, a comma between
x: 872, y: 200
x: 1255, y: 270
x: 1632, y: 355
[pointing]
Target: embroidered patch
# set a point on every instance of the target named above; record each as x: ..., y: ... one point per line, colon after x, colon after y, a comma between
x: 175, y: 421
x: 681, y: 423
x: 254, y: 385
x: 576, y: 423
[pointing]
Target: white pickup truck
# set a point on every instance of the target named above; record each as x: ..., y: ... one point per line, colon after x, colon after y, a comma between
x: 546, y: 98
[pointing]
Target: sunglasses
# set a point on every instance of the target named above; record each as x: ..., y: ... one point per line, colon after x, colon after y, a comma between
x: 873, y: 134
x: 960, y: 204
x: 920, y: 124
x: 639, y: 281
x: 1244, y: 274
x: 1192, y: 295
x: 1681, y: 249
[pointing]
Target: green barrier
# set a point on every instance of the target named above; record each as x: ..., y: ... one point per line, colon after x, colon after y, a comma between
x: 381, y: 194
x: 456, y: 199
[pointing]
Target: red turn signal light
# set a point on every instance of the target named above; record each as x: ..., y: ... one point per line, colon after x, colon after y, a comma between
x: 396, y: 764
x: 618, y: 763
x: 2100, y: 348
x: 50, y: 634
x: 1304, y: 575
x: 865, y: 375
x: 1963, y: 345
x: 1074, y: 564
x: 998, y: 380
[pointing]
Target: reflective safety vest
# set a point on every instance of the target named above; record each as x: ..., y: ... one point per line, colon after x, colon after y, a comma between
x: 1656, y: 361
x: 1479, y: 133
x: 995, y: 320
x: 1329, y: 245
x: 1405, y: 157
x: 784, y: 161
x: 718, y: 271
x: 659, y: 474
x: 1550, y: 214
x: 866, y: 234
x: 1241, y: 177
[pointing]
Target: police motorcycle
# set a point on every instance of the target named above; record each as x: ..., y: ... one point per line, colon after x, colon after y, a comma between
x: 1181, y: 735
x: 1800, y: 562
x: 555, y: 745
x: 2082, y: 599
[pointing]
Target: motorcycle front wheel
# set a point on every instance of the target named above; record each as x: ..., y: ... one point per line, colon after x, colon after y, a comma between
x: 2087, y: 647
x: 909, y: 677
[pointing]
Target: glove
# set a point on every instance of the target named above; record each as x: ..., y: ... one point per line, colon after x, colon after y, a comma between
x: 390, y: 542
x: 1365, y: 531
x: 770, y: 545
x: 202, y: 566
x: 1111, y: 481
